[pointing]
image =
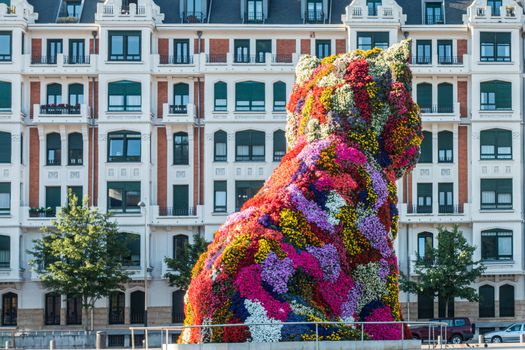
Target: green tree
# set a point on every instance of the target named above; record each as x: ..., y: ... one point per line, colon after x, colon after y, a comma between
x: 448, y: 271
x: 80, y: 255
x: 182, y: 266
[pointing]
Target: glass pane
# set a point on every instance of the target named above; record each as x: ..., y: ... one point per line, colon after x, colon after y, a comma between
x: 220, y: 198
x: 116, y: 147
x: 5, y: 45
x: 133, y: 45
x: 133, y: 148
x: 132, y: 200
x: 505, y: 246
x: 115, y: 198
x: 488, y: 197
x: 117, y: 45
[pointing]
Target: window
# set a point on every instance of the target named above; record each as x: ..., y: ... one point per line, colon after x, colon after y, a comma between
x: 75, y: 148
x: 250, y: 146
x: 219, y: 196
x: 78, y: 192
x: 425, y: 244
x: 180, y: 148
x: 181, y: 98
x: 5, y: 96
x: 496, y: 95
x: 181, y: 200
x: 131, y: 258
x: 242, y: 50
x: 136, y: 310
x: 445, y: 52
x: 495, y: 47
x: 180, y: 243
x: 194, y: 7
x: 245, y: 190
x: 314, y: 11
x: 424, y: 52
x: 52, y: 309
x: 116, y: 308
x: 220, y: 146
x: 220, y: 95
x: 372, y: 6
x: 73, y: 310
x: 54, y: 146
x: 279, y: 96
x: 506, y: 301
x: 496, y: 194
x: 323, y: 48
x: 446, y: 198
x: 53, y: 198
x: 76, y: 94
x: 495, y: 7
x: 124, y: 96
x: 124, y: 197
x: 370, y: 40
x: 426, y: 148
x: 496, y: 144
x: 177, y: 311
x: 249, y: 96
x: 124, y: 46
x: 255, y: 11
x: 73, y: 9
x: 9, y: 309
x: 54, y: 47
x: 262, y: 47
x: 425, y: 305
x: 181, y: 48
x: 5, y: 46
x: 486, y: 301
x: 424, y: 97
x: 434, y: 13
x: 279, y: 145
x: 124, y: 146
x: 445, y: 98
x: 5, y: 147
x: 445, y: 147
x: 54, y: 94
x: 5, y: 252
x: 442, y: 310
x: 5, y: 198
x: 76, y: 52
x: 424, y: 198
x: 496, y: 244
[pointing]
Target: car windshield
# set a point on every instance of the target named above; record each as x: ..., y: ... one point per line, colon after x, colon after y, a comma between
x: 514, y: 328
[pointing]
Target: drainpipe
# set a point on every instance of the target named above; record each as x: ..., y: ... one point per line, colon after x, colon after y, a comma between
x: 199, y: 35
x: 92, y: 127
x: 408, y: 250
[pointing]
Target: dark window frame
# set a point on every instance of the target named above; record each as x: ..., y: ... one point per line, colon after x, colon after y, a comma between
x: 446, y: 206
x: 496, y: 235
x: 377, y: 39
x: 427, y: 148
x: 250, y: 135
x: 75, y: 149
x: 180, y: 243
x: 9, y: 309
x: 251, y: 187
x: 279, y: 96
x: 495, y: 41
x: 6, y: 96
x: 279, y: 145
x: 241, y: 50
x: 116, y: 307
x: 181, y: 148
x: 136, y: 307
x: 492, y: 95
x: 53, y: 148
x: 507, y: 300
x: 125, y: 187
x: 53, y: 303
x: 323, y: 48
x: 5, y: 252
x: 422, y: 56
x: 220, y: 137
x: 217, y: 90
x: 487, y: 303
x: 126, y: 136
x: 219, y: 187
x: 125, y: 57
x: 251, y: 91
x: 423, y: 196
x: 499, y: 188
x: 7, y: 57
x: 501, y: 139
x: 425, y: 242
x: 445, y: 146
x: 74, y: 310
x: 5, y: 147
x: 122, y: 88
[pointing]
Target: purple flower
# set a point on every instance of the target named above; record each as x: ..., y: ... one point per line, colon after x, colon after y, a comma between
x: 276, y: 272
x: 328, y: 259
x: 378, y: 185
x: 312, y: 212
x: 349, y: 308
x: 384, y: 269
x: 312, y: 152
x: 375, y: 232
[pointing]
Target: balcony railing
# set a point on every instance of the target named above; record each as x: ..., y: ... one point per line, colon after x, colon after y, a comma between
x: 136, y: 317
x: 216, y: 58
x: 42, y: 212
x: 436, y: 109
x: 283, y: 58
x: 76, y: 59
x: 169, y: 211
x: 417, y: 59
x: 178, y: 109
x: 193, y: 17
x: 254, y: 17
x: 116, y: 316
x: 435, y: 19
x: 178, y: 59
x: 59, y: 109
x: 442, y: 209
x: 451, y: 60
x: 450, y: 209
x: 127, y: 9
x: 314, y: 16
x: 52, y: 60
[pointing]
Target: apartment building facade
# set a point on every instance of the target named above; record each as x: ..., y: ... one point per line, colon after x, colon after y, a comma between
x: 180, y: 104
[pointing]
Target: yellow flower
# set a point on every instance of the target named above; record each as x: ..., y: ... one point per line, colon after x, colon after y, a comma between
x: 296, y: 229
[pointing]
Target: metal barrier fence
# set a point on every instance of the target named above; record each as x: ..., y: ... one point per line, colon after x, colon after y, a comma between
x: 439, y: 338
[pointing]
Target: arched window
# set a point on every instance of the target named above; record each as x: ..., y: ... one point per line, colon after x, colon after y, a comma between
x: 506, y: 301
x: 220, y: 146
x: 445, y: 147
x: 180, y: 243
x: 73, y: 310
x: 249, y: 146
x: 5, y: 147
x: 5, y: 251
x: 75, y: 148
x: 116, y: 307
x: 426, y: 148
x: 220, y: 90
x: 177, y: 307
x: 131, y: 257
x: 279, y: 145
x: 445, y: 98
x: 5, y: 96
x: 76, y: 95
x: 496, y: 244
x: 425, y: 244
x: 136, y: 308
x: 249, y: 96
x: 486, y: 301
x: 124, y: 146
x: 279, y: 96
x: 496, y: 95
x: 181, y: 98
x: 425, y: 305
x: 52, y: 309
x: 9, y: 309
x: 124, y: 95
x: 54, y: 147
x: 495, y: 144
x: 54, y: 94
x: 424, y: 97
x: 180, y: 148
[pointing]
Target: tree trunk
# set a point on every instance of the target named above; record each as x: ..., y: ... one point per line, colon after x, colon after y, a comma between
x: 446, y: 307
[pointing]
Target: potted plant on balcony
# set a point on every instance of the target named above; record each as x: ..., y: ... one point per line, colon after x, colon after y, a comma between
x: 510, y: 11
x: 33, y: 212
x: 48, y: 212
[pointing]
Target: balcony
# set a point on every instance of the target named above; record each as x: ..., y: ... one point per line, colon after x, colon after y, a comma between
x: 37, y: 217
x: 70, y: 60
x: 169, y: 211
x: 434, y: 214
x: 177, y: 217
x: 184, y: 114
x: 143, y: 10
x: 314, y: 17
x: 441, y: 60
x: 509, y: 12
x: 359, y: 11
x: 176, y: 60
x: 62, y: 113
x: 60, y: 64
x: 22, y: 12
x: 435, y: 19
x: 216, y: 58
x: 437, y: 113
x: 193, y: 17
x: 254, y: 17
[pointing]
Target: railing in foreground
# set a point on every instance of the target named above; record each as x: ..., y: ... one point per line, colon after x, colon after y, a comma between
x: 433, y: 327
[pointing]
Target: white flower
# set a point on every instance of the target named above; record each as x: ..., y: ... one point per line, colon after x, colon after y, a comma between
x: 334, y: 204
x: 262, y: 334
x: 368, y: 276
x: 305, y: 67
x: 343, y: 99
x: 330, y: 80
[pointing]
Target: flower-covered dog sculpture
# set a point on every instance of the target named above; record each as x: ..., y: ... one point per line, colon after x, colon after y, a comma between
x: 315, y: 243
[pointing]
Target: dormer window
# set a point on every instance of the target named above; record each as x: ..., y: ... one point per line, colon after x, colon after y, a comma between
x: 255, y: 11
x: 194, y: 11
x: 434, y: 13
x: 314, y: 11
x: 495, y: 6
x: 372, y: 6
x: 73, y: 9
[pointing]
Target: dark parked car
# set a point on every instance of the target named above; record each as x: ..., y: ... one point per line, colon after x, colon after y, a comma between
x: 458, y: 330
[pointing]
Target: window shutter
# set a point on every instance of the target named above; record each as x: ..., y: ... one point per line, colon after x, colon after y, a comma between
x: 75, y: 141
x: 445, y: 140
x: 5, y: 95
x: 181, y: 89
x: 424, y: 190
x: 76, y: 89
x: 426, y: 148
x: 242, y: 138
x: 279, y: 93
x: 502, y: 38
x: 279, y: 141
x: 53, y: 197
x: 424, y: 96
x: 257, y: 138
x: 257, y: 91
x: 5, y: 147
x: 53, y: 141
x: 488, y: 137
x: 180, y: 199
x: 503, y: 138
x: 54, y: 89
x: 445, y: 98
x: 503, y: 95
x: 220, y: 90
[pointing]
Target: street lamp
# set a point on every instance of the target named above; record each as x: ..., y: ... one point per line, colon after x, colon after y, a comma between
x: 142, y: 206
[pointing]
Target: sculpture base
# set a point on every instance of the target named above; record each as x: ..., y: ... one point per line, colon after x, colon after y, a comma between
x: 323, y: 345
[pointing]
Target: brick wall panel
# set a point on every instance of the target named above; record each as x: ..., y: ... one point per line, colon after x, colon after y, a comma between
x: 195, y: 171
x: 463, y: 98
x: 164, y: 49
x: 162, y: 168
x: 219, y: 48
x: 162, y: 96
x: 93, y: 49
x: 305, y: 47
x: 196, y: 102
x: 93, y: 157
x: 34, y: 168
x: 196, y: 45
x: 93, y: 104
x: 36, y: 48
x: 34, y: 96
x: 462, y: 49
x: 285, y: 49
x: 340, y: 46
x: 463, y: 165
